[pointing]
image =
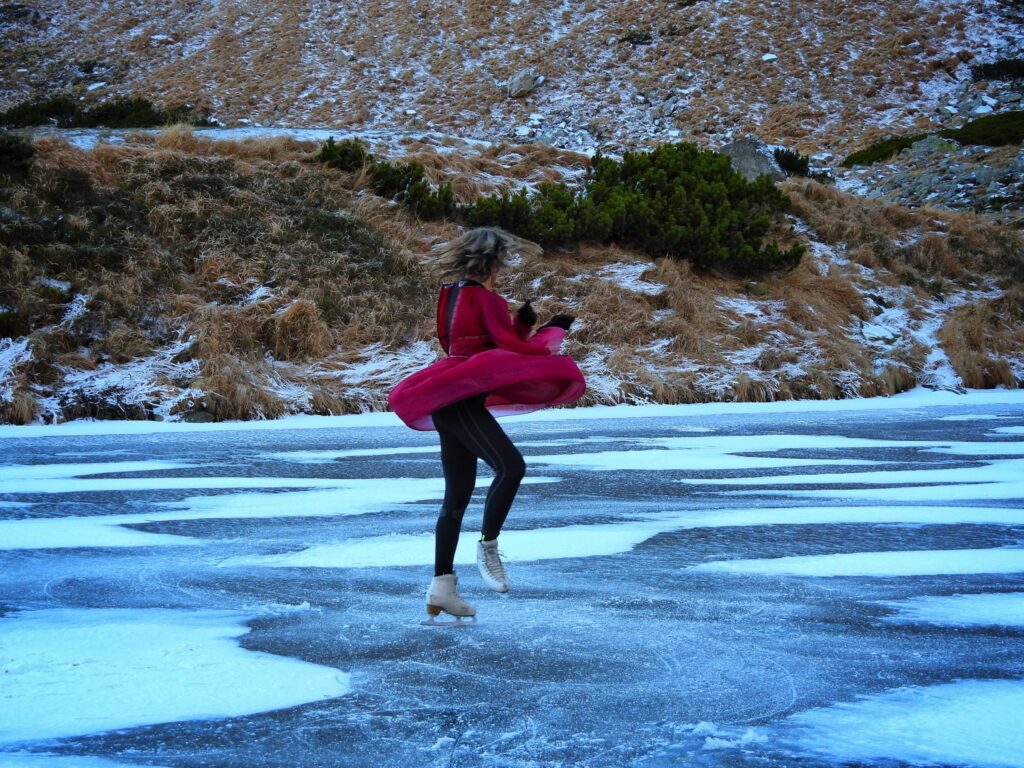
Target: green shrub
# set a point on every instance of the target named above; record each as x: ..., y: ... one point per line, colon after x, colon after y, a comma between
x: 346, y: 155
x: 65, y: 112
x: 405, y: 182
x: 990, y: 131
x: 881, y: 150
x: 59, y: 110
x: 1002, y: 69
x: 675, y: 201
x: 792, y: 162
x: 16, y: 155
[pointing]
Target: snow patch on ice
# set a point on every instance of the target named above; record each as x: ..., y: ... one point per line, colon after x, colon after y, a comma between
x: 71, y: 671
x: 992, y: 609
x: 967, y: 722
x: 879, y: 564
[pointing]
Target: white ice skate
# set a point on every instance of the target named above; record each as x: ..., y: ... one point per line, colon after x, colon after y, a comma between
x: 442, y: 596
x: 488, y: 560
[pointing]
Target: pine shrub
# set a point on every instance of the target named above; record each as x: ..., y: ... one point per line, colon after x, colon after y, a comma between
x: 989, y: 131
x: 1002, y: 69
x: 792, y: 162
x: 64, y: 111
x: 16, y: 155
x: 345, y: 155
x: 675, y: 201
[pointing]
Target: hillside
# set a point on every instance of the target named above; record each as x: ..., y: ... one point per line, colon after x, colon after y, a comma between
x: 826, y: 76
x: 178, y: 277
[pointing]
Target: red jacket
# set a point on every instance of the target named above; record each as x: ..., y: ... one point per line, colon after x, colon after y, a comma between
x: 489, y: 353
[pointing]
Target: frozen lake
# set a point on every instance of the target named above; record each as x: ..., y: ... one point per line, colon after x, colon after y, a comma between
x: 707, y: 586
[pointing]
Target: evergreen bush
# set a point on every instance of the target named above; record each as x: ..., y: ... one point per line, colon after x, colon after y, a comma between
x: 675, y: 201
x: 1002, y: 69
x: 16, y: 155
x: 405, y: 182
x: 989, y: 131
x: 345, y: 155
x: 65, y: 112
x: 792, y: 162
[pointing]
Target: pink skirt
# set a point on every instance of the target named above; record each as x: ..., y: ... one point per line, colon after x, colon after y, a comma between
x: 515, y: 383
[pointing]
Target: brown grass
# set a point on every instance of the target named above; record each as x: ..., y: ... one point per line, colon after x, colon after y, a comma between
x: 978, y: 338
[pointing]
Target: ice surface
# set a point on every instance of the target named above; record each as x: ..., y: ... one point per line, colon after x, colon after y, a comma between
x: 996, y: 480
x: 615, y: 647
x: 996, y: 609
x: 968, y: 722
x: 601, y: 540
x: 896, y: 563
x: 45, y: 760
x: 129, y: 667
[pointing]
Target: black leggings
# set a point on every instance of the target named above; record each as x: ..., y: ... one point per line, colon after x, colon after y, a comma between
x: 469, y: 432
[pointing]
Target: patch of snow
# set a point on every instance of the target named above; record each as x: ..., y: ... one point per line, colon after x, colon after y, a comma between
x: 13, y: 352
x: 78, y: 671
x: 880, y: 564
x: 628, y: 276
x: 991, y: 609
x: 967, y: 722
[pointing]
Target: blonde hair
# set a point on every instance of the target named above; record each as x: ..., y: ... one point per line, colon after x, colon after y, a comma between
x: 478, y: 252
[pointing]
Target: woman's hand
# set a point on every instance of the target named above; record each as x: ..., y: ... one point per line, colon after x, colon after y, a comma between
x: 560, y: 321
x: 526, y: 314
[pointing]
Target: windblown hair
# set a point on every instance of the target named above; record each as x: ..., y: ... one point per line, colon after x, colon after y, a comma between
x: 476, y: 252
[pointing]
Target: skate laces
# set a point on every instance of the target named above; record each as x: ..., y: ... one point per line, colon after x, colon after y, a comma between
x: 492, y: 560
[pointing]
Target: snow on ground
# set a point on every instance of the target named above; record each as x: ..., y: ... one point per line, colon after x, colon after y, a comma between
x: 880, y: 564
x: 916, y: 398
x: 128, y: 668
x: 993, y: 609
x: 967, y: 722
x: 12, y: 354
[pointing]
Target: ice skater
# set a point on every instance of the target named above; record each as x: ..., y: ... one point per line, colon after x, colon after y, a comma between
x: 495, y: 366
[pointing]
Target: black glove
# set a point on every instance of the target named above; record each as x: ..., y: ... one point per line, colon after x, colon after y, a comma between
x: 527, y: 316
x: 560, y: 321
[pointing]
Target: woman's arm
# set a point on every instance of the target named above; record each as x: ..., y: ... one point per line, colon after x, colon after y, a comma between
x: 496, y: 319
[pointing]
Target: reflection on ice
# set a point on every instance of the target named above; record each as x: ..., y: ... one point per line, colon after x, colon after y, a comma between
x: 130, y: 667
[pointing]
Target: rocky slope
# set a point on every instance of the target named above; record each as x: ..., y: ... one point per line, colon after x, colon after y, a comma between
x: 824, y: 76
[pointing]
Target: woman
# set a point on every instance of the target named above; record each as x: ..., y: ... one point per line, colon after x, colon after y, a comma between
x: 494, y: 367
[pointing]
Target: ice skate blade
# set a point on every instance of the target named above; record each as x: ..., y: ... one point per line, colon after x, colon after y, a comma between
x: 455, y: 621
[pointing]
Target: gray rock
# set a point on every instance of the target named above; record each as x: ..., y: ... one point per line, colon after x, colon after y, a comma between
x: 932, y: 145
x: 752, y: 158
x: 985, y: 175
x: 669, y: 105
x: 523, y: 81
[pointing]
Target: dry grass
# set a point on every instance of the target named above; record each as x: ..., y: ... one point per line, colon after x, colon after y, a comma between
x: 979, y: 338
x: 281, y: 273
x: 365, y: 64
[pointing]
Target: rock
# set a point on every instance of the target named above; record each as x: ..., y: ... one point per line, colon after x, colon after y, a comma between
x: 523, y: 81
x: 989, y: 100
x: 769, y: 57
x: 522, y: 131
x: 669, y: 105
x: 1009, y: 98
x: 930, y: 145
x: 758, y: 289
x: 985, y: 175
x: 984, y: 109
x: 752, y: 158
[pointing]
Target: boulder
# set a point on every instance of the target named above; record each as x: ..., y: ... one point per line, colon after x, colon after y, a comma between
x: 752, y: 158
x: 930, y: 145
x: 523, y: 81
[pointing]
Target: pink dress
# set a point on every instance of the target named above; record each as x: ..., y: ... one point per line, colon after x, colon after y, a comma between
x: 489, y: 353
